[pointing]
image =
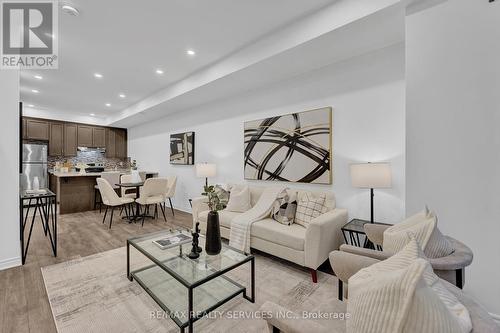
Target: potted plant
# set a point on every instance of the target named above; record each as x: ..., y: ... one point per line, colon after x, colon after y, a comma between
x: 217, y: 200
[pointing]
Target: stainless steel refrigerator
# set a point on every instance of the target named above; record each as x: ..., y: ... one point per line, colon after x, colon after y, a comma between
x: 34, y: 165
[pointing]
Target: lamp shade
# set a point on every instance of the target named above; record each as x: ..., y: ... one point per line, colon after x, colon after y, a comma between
x: 371, y: 175
x: 205, y: 170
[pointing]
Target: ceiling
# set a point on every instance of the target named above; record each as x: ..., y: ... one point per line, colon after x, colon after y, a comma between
x: 382, y: 29
x: 126, y: 41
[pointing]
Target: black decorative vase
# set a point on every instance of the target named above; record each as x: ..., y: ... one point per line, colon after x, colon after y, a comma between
x: 213, y: 242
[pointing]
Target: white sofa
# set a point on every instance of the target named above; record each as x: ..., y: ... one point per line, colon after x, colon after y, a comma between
x: 307, y: 247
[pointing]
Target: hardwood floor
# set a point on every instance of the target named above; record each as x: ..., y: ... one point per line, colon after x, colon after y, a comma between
x: 24, y: 306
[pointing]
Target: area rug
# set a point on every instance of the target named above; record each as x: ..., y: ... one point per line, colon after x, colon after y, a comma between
x: 93, y: 294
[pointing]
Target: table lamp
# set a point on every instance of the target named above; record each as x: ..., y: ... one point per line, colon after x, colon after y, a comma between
x: 205, y: 170
x: 371, y: 175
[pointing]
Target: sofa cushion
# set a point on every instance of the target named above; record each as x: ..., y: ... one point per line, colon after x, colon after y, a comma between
x: 256, y: 192
x: 292, y: 236
x: 329, y: 198
x: 308, y: 208
x: 225, y: 217
x: 397, y: 301
x: 239, y: 200
x: 458, y: 314
x: 424, y: 227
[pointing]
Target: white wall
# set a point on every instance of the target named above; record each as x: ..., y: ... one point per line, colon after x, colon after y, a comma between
x: 367, y: 95
x: 453, y: 137
x: 10, y: 253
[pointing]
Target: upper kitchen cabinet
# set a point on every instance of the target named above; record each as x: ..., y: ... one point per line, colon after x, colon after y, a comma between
x: 37, y: 129
x: 70, y: 139
x: 99, y: 137
x: 65, y: 138
x: 110, y: 142
x: 56, y: 139
x: 85, y: 136
x: 120, y: 143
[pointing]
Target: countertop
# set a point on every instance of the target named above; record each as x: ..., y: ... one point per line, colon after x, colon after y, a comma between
x: 91, y: 174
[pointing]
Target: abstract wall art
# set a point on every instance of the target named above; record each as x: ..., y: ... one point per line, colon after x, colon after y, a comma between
x: 295, y: 147
x: 182, y: 148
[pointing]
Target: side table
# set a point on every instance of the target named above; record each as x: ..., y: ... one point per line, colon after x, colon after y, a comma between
x: 356, y: 227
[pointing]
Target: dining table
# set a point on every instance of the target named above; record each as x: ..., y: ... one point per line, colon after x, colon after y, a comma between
x: 137, y: 214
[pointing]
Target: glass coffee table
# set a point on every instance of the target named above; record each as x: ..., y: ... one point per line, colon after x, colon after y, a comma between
x: 187, y: 289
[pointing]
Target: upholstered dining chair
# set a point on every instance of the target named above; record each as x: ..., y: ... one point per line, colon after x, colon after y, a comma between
x: 111, y: 199
x: 113, y: 177
x: 153, y: 193
x: 125, y: 192
x: 170, y: 191
x: 450, y: 268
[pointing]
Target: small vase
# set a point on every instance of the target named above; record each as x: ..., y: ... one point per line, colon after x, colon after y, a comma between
x: 213, y: 243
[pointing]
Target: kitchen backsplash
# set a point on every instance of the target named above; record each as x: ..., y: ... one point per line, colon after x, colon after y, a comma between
x: 90, y: 157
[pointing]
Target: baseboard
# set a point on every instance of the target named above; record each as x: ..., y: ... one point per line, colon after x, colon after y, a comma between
x: 183, y: 209
x: 9, y: 263
x: 495, y: 317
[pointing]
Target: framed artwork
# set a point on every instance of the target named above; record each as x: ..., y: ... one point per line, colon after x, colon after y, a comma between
x: 296, y: 147
x: 182, y: 148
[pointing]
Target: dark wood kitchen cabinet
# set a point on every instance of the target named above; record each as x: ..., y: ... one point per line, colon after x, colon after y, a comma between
x: 99, y: 137
x: 120, y: 143
x: 56, y: 139
x: 37, y: 129
x: 70, y: 139
x: 85, y: 136
x: 64, y: 138
x: 110, y: 143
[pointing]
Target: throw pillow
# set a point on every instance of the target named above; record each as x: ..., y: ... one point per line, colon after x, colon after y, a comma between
x: 284, y: 208
x: 239, y: 200
x: 397, y: 301
x: 424, y: 226
x: 223, y: 195
x: 403, y: 259
x: 308, y: 208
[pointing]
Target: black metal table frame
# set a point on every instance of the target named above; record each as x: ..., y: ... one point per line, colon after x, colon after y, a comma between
x: 47, y: 209
x: 355, y: 238
x: 136, y: 215
x: 191, y: 318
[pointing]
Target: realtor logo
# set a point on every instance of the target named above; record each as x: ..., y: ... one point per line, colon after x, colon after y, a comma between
x: 28, y: 35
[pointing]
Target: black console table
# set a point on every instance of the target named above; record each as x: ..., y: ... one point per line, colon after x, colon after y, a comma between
x: 44, y: 204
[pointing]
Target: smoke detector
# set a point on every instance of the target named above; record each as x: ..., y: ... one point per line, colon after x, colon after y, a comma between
x: 69, y: 9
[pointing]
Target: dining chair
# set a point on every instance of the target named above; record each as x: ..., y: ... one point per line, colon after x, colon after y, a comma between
x: 170, y: 191
x: 111, y: 199
x: 124, y: 193
x: 112, y: 177
x: 153, y: 193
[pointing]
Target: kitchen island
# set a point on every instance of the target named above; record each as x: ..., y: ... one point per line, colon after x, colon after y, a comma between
x: 76, y: 191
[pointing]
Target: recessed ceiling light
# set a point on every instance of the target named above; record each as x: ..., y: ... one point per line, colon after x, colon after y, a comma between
x: 159, y: 71
x: 122, y: 95
x: 98, y: 75
x: 108, y: 104
x: 30, y: 105
x: 92, y: 114
x: 38, y: 77
x: 68, y: 9
x: 190, y: 52
x: 35, y: 91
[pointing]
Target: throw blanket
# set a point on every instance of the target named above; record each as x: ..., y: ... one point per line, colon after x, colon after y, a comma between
x: 239, y: 236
